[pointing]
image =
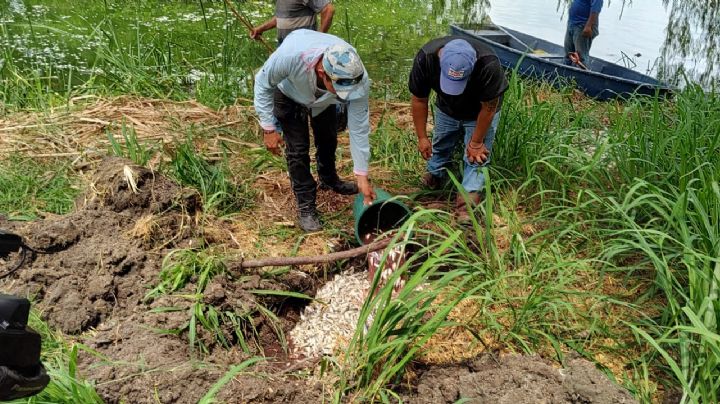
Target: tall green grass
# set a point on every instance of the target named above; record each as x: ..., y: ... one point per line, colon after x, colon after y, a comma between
x: 151, y: 49
x: 220, y: 194
x: 391, y: 330
x: 29, y: 187
x: 529, y: 295
x: 667, y: 215
x: 644, y: 197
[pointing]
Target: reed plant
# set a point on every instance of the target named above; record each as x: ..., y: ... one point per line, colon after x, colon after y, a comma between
x: 644, y: 198
x: 529, y: 295
x: 130, y: 147
x: 220, y: 194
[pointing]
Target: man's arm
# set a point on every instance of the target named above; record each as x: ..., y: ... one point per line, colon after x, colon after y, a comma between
x: 359, y: 128
x: 420, y: 112
x: 595, y: 8
x: 326, y: 17
x: 267, y: 79
x: 476, y: 150
x: 266, y: 26
x: 419, y: 86
x: 591, y: 22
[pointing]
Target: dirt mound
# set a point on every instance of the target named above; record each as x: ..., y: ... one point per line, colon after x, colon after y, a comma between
x: 94, y: 262
x: 146, y: 366
x: 122, y: 187
x: 516, y: 379
x: 95, y: 268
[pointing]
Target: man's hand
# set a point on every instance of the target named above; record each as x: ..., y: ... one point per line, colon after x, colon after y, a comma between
x: 255, y: 33
x: 273, y: 141
x: 424, y: 147
x: 477, y: 152
x: 366, y: 189
x: 587, y: 31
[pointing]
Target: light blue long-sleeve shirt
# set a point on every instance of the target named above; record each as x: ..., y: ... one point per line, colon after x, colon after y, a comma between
x: 291, y: 68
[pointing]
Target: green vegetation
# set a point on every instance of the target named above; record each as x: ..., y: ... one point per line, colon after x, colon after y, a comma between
x: 29, y: 187
x: 644, y: 201
x: 219, y: 193
x: 227, y: 326
x: 130, y: 148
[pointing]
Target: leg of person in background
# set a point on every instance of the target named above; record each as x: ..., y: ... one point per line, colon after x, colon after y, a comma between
x: 569, y: 43
x: 325, y: 131
x: 583, y: 44
x: 294, y: 120
x: 473, y: 179
x: 446, y: 135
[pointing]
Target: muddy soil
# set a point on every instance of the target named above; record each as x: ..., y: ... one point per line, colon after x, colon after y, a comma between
x: 95, y: 267
x: 97, y: 264
x: 516, y: 379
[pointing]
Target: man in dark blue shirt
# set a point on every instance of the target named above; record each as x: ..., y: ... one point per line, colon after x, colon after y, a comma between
x: 582, y: 28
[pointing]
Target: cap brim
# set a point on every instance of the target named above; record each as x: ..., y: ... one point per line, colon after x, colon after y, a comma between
x: 345, y: 92
x: 452, y: 87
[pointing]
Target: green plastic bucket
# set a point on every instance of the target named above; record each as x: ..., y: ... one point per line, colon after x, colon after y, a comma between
x: 385, y: 213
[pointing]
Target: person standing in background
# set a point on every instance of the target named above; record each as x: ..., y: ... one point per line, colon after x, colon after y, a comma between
x: 297, y: 14
x: 582, y: 28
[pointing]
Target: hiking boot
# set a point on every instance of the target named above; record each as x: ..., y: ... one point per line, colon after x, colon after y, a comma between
x: 432, y: 182
x: 340, y: 187
x: 309, y: 222
x: 461, y: 209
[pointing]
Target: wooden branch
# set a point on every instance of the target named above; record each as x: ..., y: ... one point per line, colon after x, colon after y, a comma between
x: 247, y: 24
x: 315, y: 259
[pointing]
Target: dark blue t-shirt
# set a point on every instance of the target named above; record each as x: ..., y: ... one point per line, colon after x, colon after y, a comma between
x: 580, y: 11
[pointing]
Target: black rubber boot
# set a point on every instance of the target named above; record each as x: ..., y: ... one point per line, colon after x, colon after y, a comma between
x: 340, y: 187
x: 309, y: 221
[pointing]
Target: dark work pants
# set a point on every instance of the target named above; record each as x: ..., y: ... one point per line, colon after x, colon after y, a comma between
x: 576, y: 42
x: 293, y: 119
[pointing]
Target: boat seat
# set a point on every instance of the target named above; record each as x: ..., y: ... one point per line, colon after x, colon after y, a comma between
x: 542, y: 54
x: 553, y: 56
x: 494, y: 35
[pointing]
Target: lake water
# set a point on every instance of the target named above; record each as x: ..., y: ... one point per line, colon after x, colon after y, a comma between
x: 637, y: 28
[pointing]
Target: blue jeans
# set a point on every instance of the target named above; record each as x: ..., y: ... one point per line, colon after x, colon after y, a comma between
x: 446, y: 135
x: 576, y: 42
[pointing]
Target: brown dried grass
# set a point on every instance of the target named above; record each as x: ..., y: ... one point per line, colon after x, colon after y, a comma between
x: 79, y: 129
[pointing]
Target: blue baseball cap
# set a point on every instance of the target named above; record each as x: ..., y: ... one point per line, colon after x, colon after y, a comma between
x: 457, y: 61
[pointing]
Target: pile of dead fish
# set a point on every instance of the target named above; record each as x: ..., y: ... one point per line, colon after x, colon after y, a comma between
x: 330, y: 320
x: 394, y: 260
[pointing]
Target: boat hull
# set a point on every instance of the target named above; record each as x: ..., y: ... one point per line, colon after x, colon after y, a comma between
x: 539, y: 59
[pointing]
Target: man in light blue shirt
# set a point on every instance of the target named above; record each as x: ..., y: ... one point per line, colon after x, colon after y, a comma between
x: 582, y: 28
x: 303, y: 79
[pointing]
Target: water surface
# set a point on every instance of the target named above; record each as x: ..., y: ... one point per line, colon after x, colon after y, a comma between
x: 631, y: 35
